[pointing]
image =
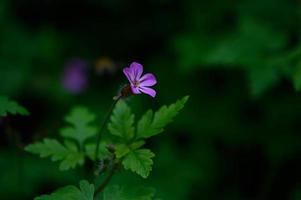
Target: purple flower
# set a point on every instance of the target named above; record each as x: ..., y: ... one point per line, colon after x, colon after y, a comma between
x: 140, y: 84
x: 74, y: 79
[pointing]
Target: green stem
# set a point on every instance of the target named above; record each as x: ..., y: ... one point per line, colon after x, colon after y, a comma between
x: 105, y: 182
x: 103, y: 125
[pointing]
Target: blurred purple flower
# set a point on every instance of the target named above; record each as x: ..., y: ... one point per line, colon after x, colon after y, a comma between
x: 74, y: 78
x: 140, y: 84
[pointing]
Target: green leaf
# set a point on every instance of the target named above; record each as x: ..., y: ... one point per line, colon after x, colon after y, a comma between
x: 123, y: 149
x: 122, y: 121
x: 152, y: 124
x: 85, y: 192
x: 80, y: 118
x: 65, y: 193
x: 11, y: 107
x: 144, y: 126
x: 71, y: 160
x: 137, y: 144
x: 124, y: 193
x: 69, y: 155
x: 139, y: 161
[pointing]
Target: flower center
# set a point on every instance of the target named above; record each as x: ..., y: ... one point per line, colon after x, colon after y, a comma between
x: 136, y: 83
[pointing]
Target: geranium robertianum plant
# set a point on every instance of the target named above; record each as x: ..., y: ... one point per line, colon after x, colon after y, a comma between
x: 122, y: 149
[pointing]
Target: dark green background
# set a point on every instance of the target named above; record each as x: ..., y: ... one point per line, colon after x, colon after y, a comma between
x: 239, y: 137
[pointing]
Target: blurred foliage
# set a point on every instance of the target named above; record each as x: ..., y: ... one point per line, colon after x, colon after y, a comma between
x: 118, y: 193
x: 8, y: 106
x: 239, y: 136
x: 85, y: 192
x: 70, y: 154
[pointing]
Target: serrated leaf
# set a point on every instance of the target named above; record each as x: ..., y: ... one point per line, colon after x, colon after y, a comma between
x: 144, y: 126
x: 153, y: 123
x: 49, y: 147
x: 122, y: 121
x: 65, y: 193
x: 68, y: 155
x: 11, y: 107
x: 85, y: 192
x: 117, y: 192
x: 139, y: 161
x: 81, y: 130
x: 72, y: 160
x: 80, y: 116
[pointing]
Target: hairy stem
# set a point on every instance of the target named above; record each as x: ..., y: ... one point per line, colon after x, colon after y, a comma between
x: 106, y: 181
x: 103, y: 126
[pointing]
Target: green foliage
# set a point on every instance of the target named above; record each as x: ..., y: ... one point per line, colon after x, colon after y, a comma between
x: 261, y: 79
x: 122, y: 121
x: 139, y: 161
x: 153, y: 123
x: 81, y: 130
x: 121, y: 193
x: 122, y: 125
x: 11, y: 107
x: 257, y: 44
x: 68, y: 154
x: 122, y: 149
x: 90, y: 150
x: 127, y: 151
x: 84, y: 192
x: 297, y: 77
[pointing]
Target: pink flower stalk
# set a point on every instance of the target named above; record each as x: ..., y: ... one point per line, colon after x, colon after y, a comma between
x: 140, y: 84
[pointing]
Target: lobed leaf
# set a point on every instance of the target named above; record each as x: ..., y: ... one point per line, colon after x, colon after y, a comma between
x: 122, y: 121
x: 139, y: 161
x: 11, y: 107
x: 153, y: 123
x: 81, y: 130
x: 84, y: 192
x: 80, y: 116
x: 69, y: 155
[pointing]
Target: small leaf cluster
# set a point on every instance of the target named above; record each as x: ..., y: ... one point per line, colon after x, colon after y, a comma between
x: 122, y: 147
x: 8, y: 106
x: 130, y: 138
x: 75, y: 146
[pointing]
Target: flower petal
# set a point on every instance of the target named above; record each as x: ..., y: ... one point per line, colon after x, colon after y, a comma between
x: 128, y: 74
x: 135, y: 89
x: 147, y: 80
x: 136, y: 70
x: 148, y: 91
